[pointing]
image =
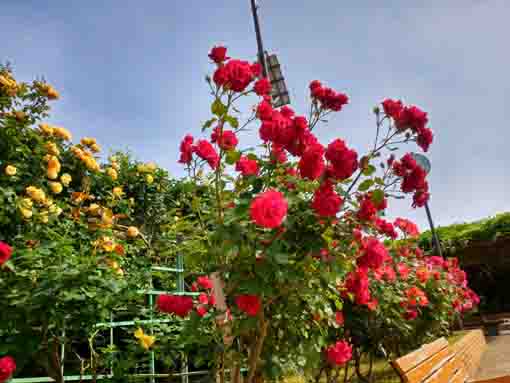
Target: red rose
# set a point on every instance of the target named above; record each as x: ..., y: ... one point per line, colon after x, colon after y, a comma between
x: 203, y: 299
x: 420, y: 198
x: 328, y: 98
x: 339, y: 318
x: 287, y: 111
x: 344, y: 160
x: 247, y: 166
x: 212, y: 300
x: 424, y: 138
x: 256, y: 69
x: 262, y: 87
x: 201, y: 310
x: 206, y: 151
x: 249, y: 304
x: 5, y: 252
x: 269, y: 209
x: 357, y: 283
x: 407, y: 226
x: 239, y: 75
x: 7, y: 368
x: 264, y: 110
x: 392, y: 108
x: 410, y: 314
x: 205, y: 282
x: 186, y: 149
x: 175, y: 304
x: 227, y: 140
x: 403, y: 270
x: 315, y: 84
x: 374, y: 254
x: 326, y: 202
x: 367, y: 210
x: 278, y: 154
x: 339, y: 353
x: 220, y: 76
x: 311, y: 165
x: 385, y: 227
x: 411, y: 117
x: 218, y: 54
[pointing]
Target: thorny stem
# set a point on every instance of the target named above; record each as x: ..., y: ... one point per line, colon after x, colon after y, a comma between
x: 259, y: 343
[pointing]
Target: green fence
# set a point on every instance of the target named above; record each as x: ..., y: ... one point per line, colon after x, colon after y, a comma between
x: 152, y: 375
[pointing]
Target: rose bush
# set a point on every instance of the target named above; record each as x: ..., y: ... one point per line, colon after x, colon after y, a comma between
x: 303, y: 277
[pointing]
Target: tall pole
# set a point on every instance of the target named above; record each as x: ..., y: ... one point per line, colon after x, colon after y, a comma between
x: 437, y: 245
x: 260, y: 46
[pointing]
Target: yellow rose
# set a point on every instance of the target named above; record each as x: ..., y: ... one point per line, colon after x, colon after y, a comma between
x: 66, y: 179
x: 115, y: 165
x: 107, y: 244
x: 151, y: 167
x: 91, y: 164
x: 117, y: 191
x: 53, y: 168
x: 62, y: 133
x: 146, y: 341
x: 36, y: 194
x: 56, y: 187
x: 88, y: 141
x: 26, y: 203
x: 43, y: 217
x: 94, y: 209
x: 95, y: 148
x: 55, y: 210
x: 52, y: 148
x: 133, y: 232
x: 112, y: 173
x: 49, y: 91
x: 140, y: 168
x: 149, y: 179
x: 26, y: 213
x: 47, y: 202
x: 10, y: 170
x: 46, y: 129
x: 107, y: 217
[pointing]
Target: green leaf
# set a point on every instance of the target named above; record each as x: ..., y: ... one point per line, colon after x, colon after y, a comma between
x: 218, y: 108
x: 369, y: 170
x: 232, y: 157
x: 379, y: 181
x: 377, y: 196
x: 365, y: 185
x: 208, y: 123
x: 233, y: 121
x: 252, y: 156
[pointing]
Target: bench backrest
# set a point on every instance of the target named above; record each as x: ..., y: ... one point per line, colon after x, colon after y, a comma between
x: 438, y: 362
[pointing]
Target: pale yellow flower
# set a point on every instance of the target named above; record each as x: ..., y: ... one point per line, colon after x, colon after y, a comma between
x: 107, y: 217
x: 26, y: 203
x: 112, y: 173
x: 133, y: 232
x: 146, y: 341
x: 56, y: 187
x: 52, y: 148
x: 36, y: 194
x: 116, y: 166
x: 91, y: 164
x: 55, y: 210
x: 149, y: 179
x: 117, y: 191
x: 62, y: 133
x: 107, y: 244
x: 43, y: 217
x: 66, y: 179
x: 10, y: 170
x: 150, y: 167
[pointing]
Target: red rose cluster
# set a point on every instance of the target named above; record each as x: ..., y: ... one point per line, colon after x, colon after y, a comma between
x: 357, y: 284
x: 328, y: 98
x: 368, y: 207
x: 374, y: 254
x: 343, y: 161
x: 247, y: 166
x: 206, y: 300
x: 410, y: 117
x: 407, y: 227
x: 415, y: 298
x: 249, y: 304
x: 236, y: 74
x: 202, y: 149
x: 339, y: 353
x: 5, y: 252
x: 386, y: 228
x: 326, y: 202
x: 7, y: 368
x: 413, y: 179
x: 175, y: 304
x: 226, y: 139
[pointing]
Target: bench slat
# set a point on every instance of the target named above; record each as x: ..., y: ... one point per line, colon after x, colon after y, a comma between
x: 429, y: 366
x: 413, y: 359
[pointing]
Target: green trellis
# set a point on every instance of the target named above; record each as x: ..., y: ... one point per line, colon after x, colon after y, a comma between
x: 153, y: 375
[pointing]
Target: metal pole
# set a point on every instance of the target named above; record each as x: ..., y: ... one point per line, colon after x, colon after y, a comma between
x: 437, y: 245
x: 260, y: 47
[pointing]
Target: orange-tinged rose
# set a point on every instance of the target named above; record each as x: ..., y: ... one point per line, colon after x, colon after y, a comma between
x: 62, y: 133
x: 52, y: 148
x: 36, y: 194
x: 112, y: 173
x: 117, y: 191
x: 46, y: 129
x: 95, y: 148
x: 133, y: 232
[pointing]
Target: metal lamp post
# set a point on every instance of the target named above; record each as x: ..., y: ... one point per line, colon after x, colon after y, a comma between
x: 425, y: 164
x: 270, y: 65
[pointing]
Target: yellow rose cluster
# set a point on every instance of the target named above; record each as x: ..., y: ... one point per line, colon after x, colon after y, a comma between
x: 86, y: 157
x: 47, y: 90
x: 38, y: 196
x: 147, y: 169
x: 8, y: 84
x: 55, y: 131
x: 91, y: 144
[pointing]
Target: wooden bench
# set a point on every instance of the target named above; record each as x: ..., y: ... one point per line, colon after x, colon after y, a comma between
x: 438, y: 362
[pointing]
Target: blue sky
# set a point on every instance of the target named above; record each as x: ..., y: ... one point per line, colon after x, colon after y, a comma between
x: 132, y: 73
